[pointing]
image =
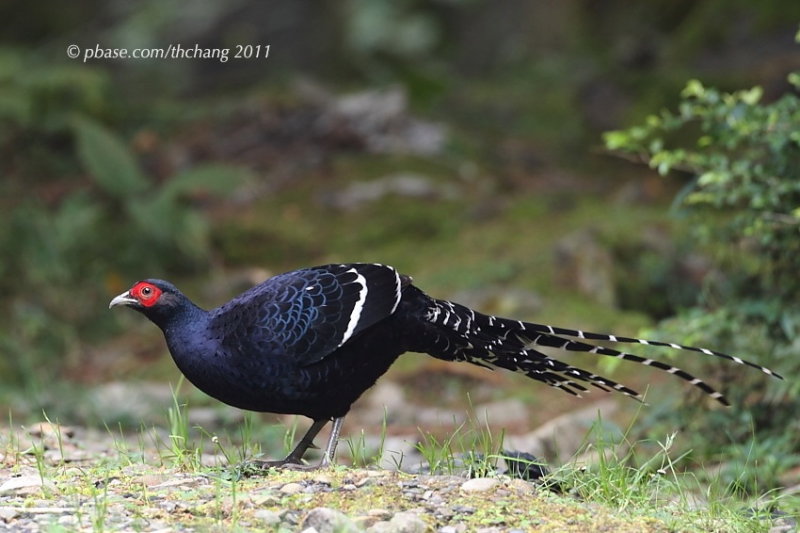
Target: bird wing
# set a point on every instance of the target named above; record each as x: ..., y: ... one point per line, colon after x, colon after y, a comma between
x: 307, y: 314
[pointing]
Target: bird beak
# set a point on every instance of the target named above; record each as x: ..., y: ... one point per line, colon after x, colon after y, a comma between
x: 123, y: 299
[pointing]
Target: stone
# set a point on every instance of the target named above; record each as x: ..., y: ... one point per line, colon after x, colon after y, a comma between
x: 564, y: 435
x: 522, y: 487
x: 323, y: 479
x: 291, y: 488
x: 438, y: 416
x: 381, y: 514
x: 403, y: 522
x: 479, y: 484
x: 404, y: 184
x: 22, y: 483
x: 325, y: 520
x: 267, y: 517
x: 406, y: 522
x: 585, y: 263
x: 132, y: 401
x: 399, y: 450
x: 8, y: 513
x: 510, y: 412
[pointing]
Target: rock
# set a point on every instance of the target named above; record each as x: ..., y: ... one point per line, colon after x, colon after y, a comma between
x: 522, y: 487
x: 509, y: 412
x: 479, y: 484
x: 48, y: 430
x: 403, y: 522
x: 323, y: 479
x: 381, y: 514
x: 458, y: 528
x: 189, y: 481
x: 386, y: 398
x: 562, y: 436
x: 291, y: 488
x: 325, y: 520
x: 8, y: 513
x: 379, y: 120
x: 19, y: 485
x: 67, y: 520
x: 438, y: 416
x: 399, y: 450
x: 582, y: 261
x: 404, y: 184
x: 784, y: 524
x: 267, y: 517
x: 132, y: 401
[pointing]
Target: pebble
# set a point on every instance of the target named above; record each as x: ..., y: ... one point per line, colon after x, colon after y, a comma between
x: 364, y: 481
x: 522, y: 486
x: 382, y: 514
x: 67, y: 520
x: 403, y: 522
x: 458, y: 528
x: 291, y: 488
x: 260, y: 500
x: 267, y: 517
x: 323, y: 479
x: 21, y: 484
x: 479, y: 484
x: 8, y: 513
x: 325, y: 520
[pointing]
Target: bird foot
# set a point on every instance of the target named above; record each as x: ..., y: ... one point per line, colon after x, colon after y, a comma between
x: 255, y: 467
x: 302, y: 467
x: 258, y: 467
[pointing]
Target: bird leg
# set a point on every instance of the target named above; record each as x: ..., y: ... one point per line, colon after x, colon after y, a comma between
x: 296, y: 456
x: 293, y: 461
x: 333, y: 440
x: 327, y: 455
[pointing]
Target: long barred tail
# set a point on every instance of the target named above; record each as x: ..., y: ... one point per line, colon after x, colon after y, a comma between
x: 458, y: 333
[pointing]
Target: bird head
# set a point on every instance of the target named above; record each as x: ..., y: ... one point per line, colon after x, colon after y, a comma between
x: 154, y: 298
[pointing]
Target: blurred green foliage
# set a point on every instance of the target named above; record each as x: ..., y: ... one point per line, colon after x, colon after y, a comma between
x: 743, y: 200
x: 58, y: 254
x: 38, y: 96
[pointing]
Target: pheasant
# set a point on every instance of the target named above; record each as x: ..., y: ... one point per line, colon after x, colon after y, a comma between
x: 311, y: 341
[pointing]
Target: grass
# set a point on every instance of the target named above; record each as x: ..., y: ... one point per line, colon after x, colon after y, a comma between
x: 645, y: 484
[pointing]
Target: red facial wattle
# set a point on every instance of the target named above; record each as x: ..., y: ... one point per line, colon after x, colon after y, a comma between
x: 146, y: 293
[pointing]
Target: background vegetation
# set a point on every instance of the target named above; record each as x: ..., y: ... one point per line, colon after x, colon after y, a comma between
x: 479, y: 124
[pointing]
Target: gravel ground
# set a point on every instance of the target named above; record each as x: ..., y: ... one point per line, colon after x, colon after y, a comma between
x: 143, y: 498
x: 55, y: 478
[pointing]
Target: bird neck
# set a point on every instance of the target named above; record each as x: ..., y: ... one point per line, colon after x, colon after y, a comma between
x: 180, y: 318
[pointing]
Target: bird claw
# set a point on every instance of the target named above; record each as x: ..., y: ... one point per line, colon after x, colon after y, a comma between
x: 302, y: 467
x: 256, y: 467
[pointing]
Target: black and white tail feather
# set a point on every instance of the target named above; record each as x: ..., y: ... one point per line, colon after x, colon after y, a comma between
x: 490, y: 341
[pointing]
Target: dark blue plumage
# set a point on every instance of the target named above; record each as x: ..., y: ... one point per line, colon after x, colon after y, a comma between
x: 311, y: 341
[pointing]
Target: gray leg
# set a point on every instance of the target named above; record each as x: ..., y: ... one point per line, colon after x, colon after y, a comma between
x: 333, y: 440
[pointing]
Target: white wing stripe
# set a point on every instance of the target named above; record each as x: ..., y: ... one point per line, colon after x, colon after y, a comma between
x: 398, y: 293
x: 355, y: 314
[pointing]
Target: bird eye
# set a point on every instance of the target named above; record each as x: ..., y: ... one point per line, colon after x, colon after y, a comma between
x: 146, y: 291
